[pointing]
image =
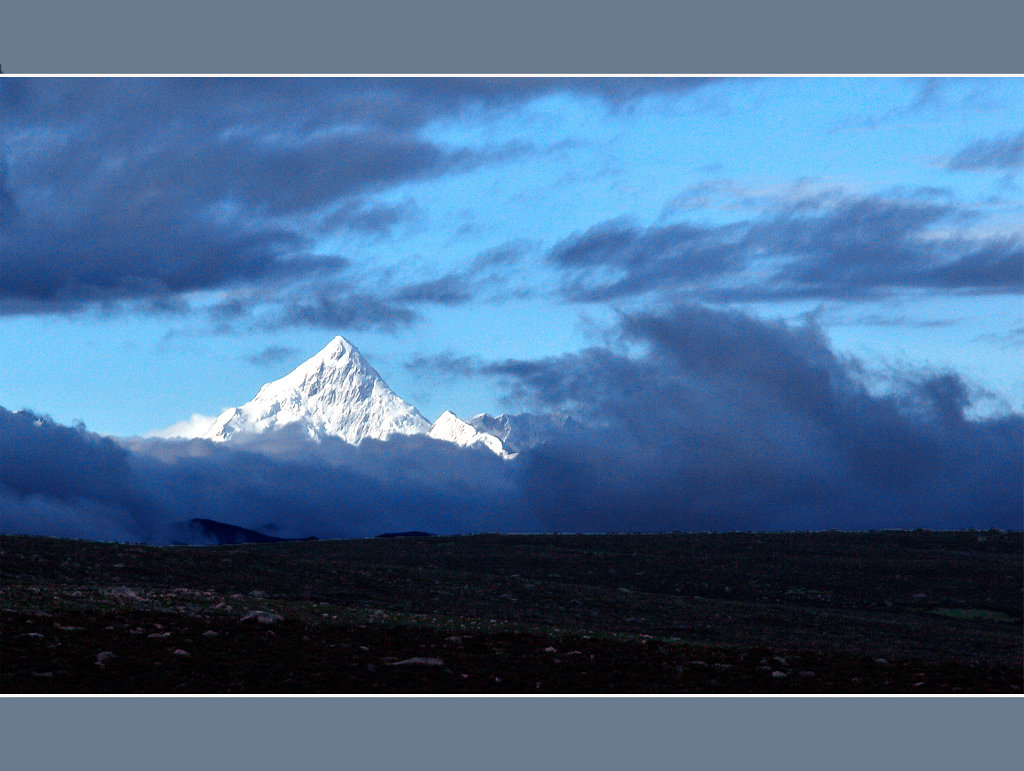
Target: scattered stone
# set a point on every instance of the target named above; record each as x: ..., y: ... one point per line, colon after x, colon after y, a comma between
x: 122, y: 591
x: 263, y: 617
x: 806, y: 673
x: 103, y: 657
x: 882, y: 662
x: 32, y: 634
x: 779, y: 675
x: 42, y: 674
x: 158, y: 635
x: 454, y: 639
x: 419, y: 661
x: 698, y: 664
x: 550, y: 649
x: 258, y: 594
x: 181, y: 652
x: 781, y: 661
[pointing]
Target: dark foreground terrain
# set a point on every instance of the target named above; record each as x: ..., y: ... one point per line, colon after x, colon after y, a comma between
x: 889, y: 612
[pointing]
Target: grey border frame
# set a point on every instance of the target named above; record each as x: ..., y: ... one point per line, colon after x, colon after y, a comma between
x: 530, y: 37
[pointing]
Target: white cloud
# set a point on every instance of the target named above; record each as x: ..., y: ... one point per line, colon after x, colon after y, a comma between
x: 193, y: 428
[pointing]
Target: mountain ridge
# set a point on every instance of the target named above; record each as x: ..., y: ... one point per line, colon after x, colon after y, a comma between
x: 338, y: 393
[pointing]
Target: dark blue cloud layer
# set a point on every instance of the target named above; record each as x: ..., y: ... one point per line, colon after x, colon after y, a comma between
x: 834, y: 245
x: 724, y: 422
x: 115, y: 190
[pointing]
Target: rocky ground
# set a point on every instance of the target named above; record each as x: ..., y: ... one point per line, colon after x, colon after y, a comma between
x: 886, y: 612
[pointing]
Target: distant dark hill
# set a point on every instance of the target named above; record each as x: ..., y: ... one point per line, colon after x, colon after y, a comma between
x: 408, y: 534
x: 224, y: 533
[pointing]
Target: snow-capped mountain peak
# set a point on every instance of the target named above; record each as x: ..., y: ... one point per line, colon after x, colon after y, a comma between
x: 334, y: 393
x: 450, y: 428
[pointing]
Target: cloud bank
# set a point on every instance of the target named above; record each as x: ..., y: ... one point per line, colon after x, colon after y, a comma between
x: 141, y: 191
x: 720, y: 422
x: 828, y: 245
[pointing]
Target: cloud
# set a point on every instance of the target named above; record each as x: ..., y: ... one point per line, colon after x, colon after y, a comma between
x: 62, y: 481
x: 343, y: 310
x: 1012, y: 339
x: 369, y: 218
x: 271, y: 355
x: 487, y: 275
x: 1000, y: 154
x: 115, y: 190
x: 449, y: 289
x: 616, y: 259
x: 193, y: 428
x: 447, y: 365
x: 730, y: 422
x: 721, y: 421
x: 826, y: 244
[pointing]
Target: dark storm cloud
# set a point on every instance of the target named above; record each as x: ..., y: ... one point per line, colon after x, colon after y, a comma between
x: 127, y: 253
x: 121, y: 189
x: 853, y: 241
x: 722, y: 422
x: 1000, y: 154
x: 62, y: 481
x: 826, y: 245
x: 730, y: 422
x: 65, y: 482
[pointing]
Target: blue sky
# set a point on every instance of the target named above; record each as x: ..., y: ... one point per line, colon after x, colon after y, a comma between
x: 169, y: 245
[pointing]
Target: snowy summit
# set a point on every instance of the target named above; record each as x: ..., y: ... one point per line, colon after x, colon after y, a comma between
x: 335, y: 393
